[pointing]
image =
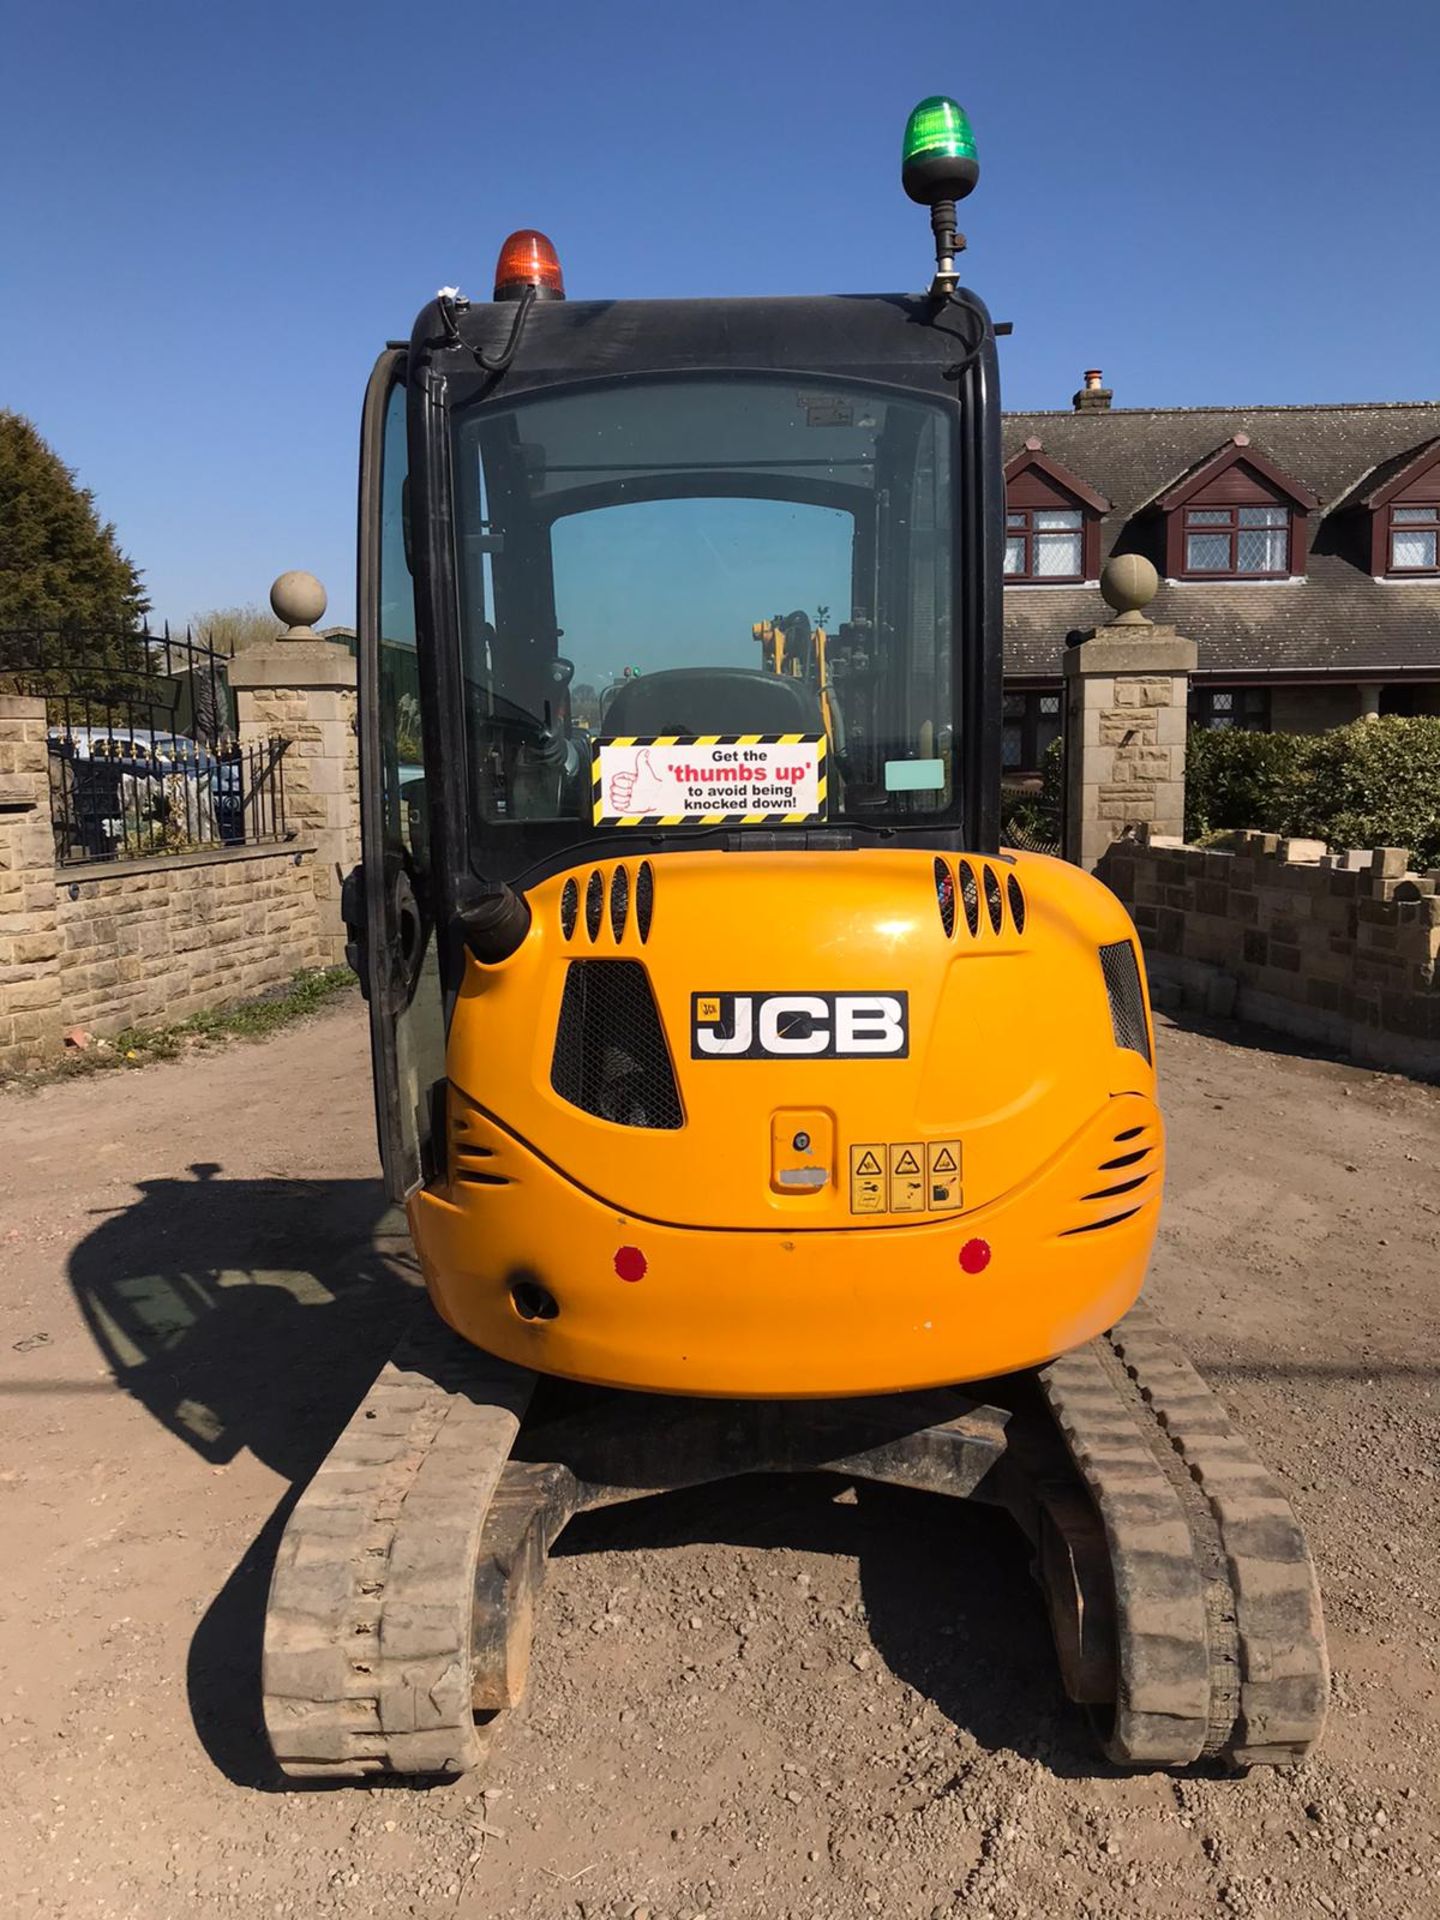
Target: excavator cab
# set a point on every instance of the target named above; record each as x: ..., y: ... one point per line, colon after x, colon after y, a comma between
x: 751, y: 1105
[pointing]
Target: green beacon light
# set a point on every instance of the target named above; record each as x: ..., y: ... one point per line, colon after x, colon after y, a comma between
x: 938, y: 160
x: 939, y: 166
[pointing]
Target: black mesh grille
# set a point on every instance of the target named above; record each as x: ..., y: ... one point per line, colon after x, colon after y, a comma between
x: 619, y: 902
x: 992, y: 899
x: 569, y: 908
x: 945, y: 894
x: 1127, y: 1008
x: 970, y: 898
x: 594, y: 904
x: 644, y: 898
x: 1017, y: 903
x: 610, y: 1053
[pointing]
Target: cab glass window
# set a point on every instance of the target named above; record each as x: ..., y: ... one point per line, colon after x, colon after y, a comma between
x: 700, y: 560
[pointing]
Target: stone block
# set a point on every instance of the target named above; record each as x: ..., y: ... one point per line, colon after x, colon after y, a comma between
x: 38, y: 994
x: 1119, y: 804
x: 1390, y: 863
x: 1142, y: 691
x: 1220, y: 991
x: 1169, y: 931
x: 1294, y: 852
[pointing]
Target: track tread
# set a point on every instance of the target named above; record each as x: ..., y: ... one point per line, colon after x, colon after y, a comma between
x: 1220, y: 1640
x: 367, y: 1664
x: 1284, y: 1673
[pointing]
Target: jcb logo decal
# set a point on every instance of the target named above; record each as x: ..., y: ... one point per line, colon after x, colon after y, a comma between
x: 789, y: 1026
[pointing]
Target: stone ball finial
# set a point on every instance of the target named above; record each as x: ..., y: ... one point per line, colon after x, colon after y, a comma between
x: 1128, y: 582
x: 299, y: 600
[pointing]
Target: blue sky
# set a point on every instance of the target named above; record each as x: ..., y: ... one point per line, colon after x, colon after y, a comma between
x: 217, y: 215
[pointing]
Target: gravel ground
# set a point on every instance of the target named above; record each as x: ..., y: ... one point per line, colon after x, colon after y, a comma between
x: 776, y: 1699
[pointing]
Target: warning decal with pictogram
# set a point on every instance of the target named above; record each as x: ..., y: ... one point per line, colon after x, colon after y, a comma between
x: 869, y: 1191
x: 905, y: 1176
x: 711, y: 779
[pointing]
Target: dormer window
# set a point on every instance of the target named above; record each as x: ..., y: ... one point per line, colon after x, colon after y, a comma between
x: 1236, y: 516
x: 1414, y: 539
x: 1052, y: 521
x: 1242, y: 542
x: 1044, y: 543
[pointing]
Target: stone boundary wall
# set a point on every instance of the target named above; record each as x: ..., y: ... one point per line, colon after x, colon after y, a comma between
x: 161, y: 940
x: 143, y: 943
x: 1340, y: 949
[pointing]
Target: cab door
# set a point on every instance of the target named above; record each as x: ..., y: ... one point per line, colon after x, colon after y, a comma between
x: 390, y: 902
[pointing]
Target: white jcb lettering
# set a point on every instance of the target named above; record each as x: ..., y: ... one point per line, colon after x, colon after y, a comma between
x: 709, y: 1041
x: 868, y: 1024
x: 794, y: 1023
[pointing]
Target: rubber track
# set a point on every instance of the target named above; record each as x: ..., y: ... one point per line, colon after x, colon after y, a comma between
x: 367, y: 1665
x: 1221, y: 1647
x: 1284, y: 1672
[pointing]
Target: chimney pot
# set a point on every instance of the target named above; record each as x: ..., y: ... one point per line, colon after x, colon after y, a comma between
x: 1093, y: 397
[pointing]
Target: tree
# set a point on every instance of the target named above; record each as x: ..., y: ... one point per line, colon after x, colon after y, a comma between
x: 232, y: 629
x: 60, y: 564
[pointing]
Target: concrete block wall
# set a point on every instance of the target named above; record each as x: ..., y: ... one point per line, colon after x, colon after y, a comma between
x: 1338, y: 948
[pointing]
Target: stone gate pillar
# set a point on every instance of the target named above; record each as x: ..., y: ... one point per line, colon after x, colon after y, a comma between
x: 302, y: 686
x: 1127, y: 689
x: 30, y: 942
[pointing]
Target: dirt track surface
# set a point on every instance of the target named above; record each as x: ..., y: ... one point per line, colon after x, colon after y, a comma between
x: 770, y: 1700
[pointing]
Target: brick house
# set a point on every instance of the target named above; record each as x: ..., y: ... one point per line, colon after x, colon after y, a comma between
x: 1298, y: 546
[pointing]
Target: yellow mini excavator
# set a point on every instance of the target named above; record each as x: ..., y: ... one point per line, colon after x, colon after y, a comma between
x: 753, y: 1107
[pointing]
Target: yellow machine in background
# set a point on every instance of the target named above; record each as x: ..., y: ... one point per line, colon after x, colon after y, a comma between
x: 752, y: 1106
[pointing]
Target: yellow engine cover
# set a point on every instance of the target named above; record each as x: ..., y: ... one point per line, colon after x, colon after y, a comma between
x: 796, y: 1124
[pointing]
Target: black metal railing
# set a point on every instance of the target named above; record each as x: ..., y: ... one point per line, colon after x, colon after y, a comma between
x: 1031, y: 817
x: 144, y: 758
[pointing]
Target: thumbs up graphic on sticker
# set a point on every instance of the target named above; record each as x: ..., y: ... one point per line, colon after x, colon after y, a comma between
x: 637, y: 791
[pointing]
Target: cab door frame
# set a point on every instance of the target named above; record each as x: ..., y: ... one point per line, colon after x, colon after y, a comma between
x: 393, y: 916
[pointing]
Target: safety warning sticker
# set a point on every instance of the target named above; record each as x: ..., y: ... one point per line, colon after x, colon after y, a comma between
x: 868, y: 1188
x: 905, y: 1176
x: 674, y: 780
x: 943, y: 1174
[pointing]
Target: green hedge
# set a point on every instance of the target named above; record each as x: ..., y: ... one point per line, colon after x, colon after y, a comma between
x: 1375, y: 783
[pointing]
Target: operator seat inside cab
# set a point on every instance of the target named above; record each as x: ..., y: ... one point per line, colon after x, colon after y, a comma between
x: 701, y: 700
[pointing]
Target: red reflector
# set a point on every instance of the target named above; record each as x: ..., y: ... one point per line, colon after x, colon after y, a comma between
x: 631, y: 1264
x: 528, y: 259
x: 975, y: 1256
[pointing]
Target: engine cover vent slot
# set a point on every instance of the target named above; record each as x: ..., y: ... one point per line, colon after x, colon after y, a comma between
x: 1015, y: 893
x: 1096, y: 1226
x: 569, y: 908
x: 1127, y: 1006
x: 970, y: 897
x: 610, y: 1056
x: 619, y: 902
x: 644, y: 899
x: 594, y: 903
x: 992, y: 899
x: 945, y: 895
